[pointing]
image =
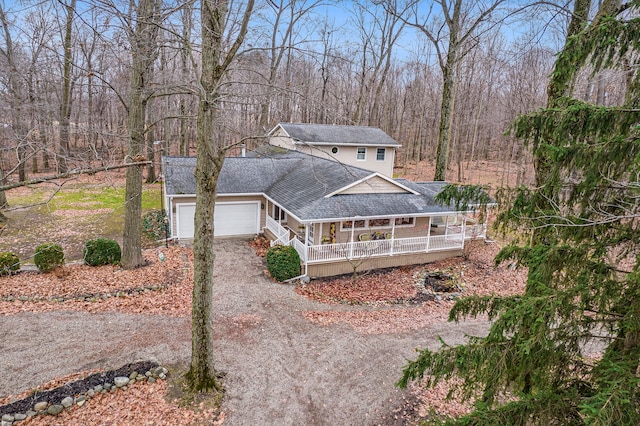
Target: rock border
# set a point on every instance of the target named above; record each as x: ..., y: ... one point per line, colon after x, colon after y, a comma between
x: 43, y: 403
x: 87, y: 297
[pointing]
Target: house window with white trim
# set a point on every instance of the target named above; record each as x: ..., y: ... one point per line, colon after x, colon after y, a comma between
x: 379, y: 223
x: 311, y: 234
x: 356, y: 224
x: 404, y: 221
x: 361, y: 154
x: 380, y: 154
x: 279, y: 214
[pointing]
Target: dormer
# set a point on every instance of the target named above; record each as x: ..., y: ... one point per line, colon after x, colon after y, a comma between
x: 366, y: 147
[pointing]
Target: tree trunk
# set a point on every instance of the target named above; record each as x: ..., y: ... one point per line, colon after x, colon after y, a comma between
x: 211, y: 151
x: 151, y: 156
x: 446, y: 109
x: 143, y: 52
x: 3, y: 196
x: 65, y: 110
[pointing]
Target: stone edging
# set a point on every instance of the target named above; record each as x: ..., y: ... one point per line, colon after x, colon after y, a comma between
x: 120, y: 382
x: 90, y: 297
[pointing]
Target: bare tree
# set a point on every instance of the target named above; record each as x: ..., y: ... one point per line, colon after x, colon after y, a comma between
x: 379, y: 33
x: 453, y: 31
x: 65, y: 104
x: 287, y: 17
x: 217, y: 57
x: 144, y: 49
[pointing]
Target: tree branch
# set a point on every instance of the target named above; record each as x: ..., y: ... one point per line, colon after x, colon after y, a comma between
x: 74, y: 172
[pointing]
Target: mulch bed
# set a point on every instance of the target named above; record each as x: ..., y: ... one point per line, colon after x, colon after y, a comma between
x: 81, y: 386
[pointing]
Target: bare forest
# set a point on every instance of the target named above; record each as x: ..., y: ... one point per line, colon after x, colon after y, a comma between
x: 73, y: 72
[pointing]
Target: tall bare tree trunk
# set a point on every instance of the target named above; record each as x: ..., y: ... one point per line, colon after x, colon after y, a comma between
x: 211, y: 151
x: 144, y: 51
x: 65, y: 108
x: 3, y: 196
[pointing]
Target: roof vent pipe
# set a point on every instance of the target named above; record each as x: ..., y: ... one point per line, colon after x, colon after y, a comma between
x: 243, y: 150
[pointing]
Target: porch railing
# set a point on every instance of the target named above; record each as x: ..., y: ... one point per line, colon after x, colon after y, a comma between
x: 281, y: 233
x: 476, y: 231
x: 375, y: 248
x: 300, y: 248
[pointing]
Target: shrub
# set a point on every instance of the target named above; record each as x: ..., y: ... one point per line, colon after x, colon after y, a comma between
x: 101, y: 251
x: 9, y: 263
x: 48, y: 256
x: 154, y: 224
x: 283, y: 262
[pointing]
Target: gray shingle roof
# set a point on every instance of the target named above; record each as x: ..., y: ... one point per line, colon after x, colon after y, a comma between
x: 300, y: 182
x: 328, y: 134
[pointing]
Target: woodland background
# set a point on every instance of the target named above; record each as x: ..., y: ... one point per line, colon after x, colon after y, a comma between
x: 66, y: 67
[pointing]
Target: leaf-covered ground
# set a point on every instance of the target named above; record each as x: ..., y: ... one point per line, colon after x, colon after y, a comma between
x: 391, y: 292
x: 160, y: 287
x: 383, y: 299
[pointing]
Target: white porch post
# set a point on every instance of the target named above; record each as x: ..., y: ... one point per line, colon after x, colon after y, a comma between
x: 393, y: 234
x: 428, y: 233
x: 446, y: 228
x: 306, y: 247
x: 464, y: 229
x: 486, y: 223
x: 353, y: 225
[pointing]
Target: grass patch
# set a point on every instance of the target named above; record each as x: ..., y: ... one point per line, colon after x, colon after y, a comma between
x: 89, y: 198
x: 74, y: 215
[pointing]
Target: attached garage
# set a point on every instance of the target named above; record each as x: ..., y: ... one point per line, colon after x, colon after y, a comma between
x: 231, y: 219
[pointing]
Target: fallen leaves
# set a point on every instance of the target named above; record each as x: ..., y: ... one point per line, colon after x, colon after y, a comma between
x: 476, y: 273
x: 260, y: 245
x: 140, y: 404
x: 107, y: 288
x: 376, y: 286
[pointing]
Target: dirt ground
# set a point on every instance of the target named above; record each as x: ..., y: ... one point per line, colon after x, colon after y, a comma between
x: 280, y: 367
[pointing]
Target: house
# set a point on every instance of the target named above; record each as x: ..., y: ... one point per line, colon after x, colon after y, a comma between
x: 335, y: 215
x: 365, y: 147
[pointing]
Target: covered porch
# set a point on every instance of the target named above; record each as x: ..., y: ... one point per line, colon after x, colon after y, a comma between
x: 375, y: 238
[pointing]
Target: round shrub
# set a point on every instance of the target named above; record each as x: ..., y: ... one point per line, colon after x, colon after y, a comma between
x: 48, y: 256
x: 283, y: 262
x: 9, y: 263
x: 101, y: 251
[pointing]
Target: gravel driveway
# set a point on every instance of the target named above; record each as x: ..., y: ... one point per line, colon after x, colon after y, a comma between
x: 281, y: 369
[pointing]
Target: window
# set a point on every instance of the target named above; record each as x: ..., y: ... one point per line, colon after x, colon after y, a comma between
x: 334, y: 150
x: 369, y: 224
x: 312, y: 231
x: 380, y: 152
x: 379, y: 223
x: 404, y: 221
x: 356, y: 224
x: 279, y: 214
x: 361, y: 153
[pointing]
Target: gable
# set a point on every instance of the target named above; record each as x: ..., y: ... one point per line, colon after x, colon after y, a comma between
x: 374, y: 185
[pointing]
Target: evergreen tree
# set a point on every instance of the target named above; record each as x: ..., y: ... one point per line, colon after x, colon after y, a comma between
x: 581, y: 251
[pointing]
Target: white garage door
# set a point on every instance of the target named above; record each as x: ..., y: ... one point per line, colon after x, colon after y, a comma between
x: 184, y: 220
x: 239, y: 218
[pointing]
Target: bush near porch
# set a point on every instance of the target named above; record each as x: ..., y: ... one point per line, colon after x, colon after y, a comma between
x: 283, y: 262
